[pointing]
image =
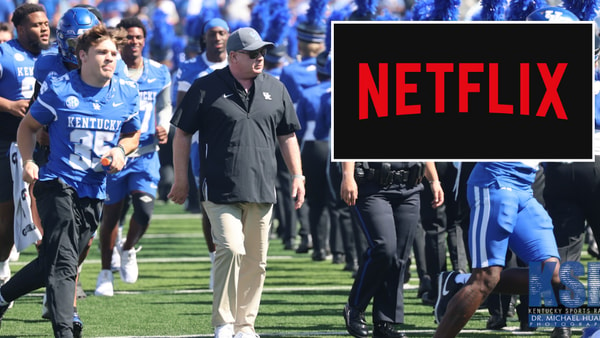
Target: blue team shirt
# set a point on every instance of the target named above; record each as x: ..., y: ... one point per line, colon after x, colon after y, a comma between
x: 193, y: 69
x: 309, y: 107
x: 323, y: 125
x: 16, y: 82
x: 154, y: 79
x: 84, y: 122
x: 298, y: 76
x: 516, y: 175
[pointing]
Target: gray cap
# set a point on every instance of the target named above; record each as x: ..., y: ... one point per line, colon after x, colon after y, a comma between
x: 246, y: 38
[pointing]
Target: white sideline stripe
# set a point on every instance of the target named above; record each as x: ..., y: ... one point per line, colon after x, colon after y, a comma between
x: 176, y: 216
x: 513, y: 330
x: 161, y: 260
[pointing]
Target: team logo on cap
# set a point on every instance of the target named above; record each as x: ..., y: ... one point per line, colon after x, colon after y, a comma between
x: 72, y: 102
x: 254, y: 35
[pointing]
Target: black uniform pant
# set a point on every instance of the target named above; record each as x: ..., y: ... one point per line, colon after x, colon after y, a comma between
x: 572, y: 197
x: 389, y: 221
x: 68, y: 222
x: 315, y: 160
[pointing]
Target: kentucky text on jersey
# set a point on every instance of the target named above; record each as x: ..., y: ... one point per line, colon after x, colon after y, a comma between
x: 379, y: 92
x: 25, y: 71
x: 148, y: 96
x: 94, y: 123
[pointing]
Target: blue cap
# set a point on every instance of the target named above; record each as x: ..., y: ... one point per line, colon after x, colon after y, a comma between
x: 215, y: 22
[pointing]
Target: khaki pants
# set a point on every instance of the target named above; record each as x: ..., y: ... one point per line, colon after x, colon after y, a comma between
x: 241, y: 235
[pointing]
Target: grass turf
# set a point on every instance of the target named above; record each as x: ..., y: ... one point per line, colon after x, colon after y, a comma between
x: 302, y: 298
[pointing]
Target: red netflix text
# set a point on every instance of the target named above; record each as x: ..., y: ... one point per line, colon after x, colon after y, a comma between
x: 379, y: 92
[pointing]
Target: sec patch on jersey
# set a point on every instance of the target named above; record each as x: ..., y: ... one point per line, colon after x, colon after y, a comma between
x: 470, y: 91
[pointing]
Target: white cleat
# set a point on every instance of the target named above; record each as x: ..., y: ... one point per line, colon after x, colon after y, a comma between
x: 129, y: 267
x: 104, y: 285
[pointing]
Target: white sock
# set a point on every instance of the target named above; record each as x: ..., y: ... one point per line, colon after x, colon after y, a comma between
x: 462, y: 278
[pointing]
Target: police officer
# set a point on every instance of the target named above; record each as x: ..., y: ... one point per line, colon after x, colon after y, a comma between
x: 385, y: 198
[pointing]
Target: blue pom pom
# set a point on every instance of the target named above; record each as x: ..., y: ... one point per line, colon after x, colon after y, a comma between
x: 585, y: 10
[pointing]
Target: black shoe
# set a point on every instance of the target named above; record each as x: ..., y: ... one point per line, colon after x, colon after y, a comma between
x: 338, y: 258
x: 447, y: 288
x: 521, y: 310
x: 3, y: 309
x: 428, y: 299
x: 305, y: 245
x: 424, y: 286
x: 288, y: 246
x: 561, y: 332
x: 319, y: 255
x: 495, y: 322
x: 352, y: 267
x: 77, y: 326
x: 355, y: 322
x: 386, y: 330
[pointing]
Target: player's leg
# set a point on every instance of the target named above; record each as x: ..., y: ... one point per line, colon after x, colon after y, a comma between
x: 110, y: 219
x: 142, y: 185
x: 494, y: 214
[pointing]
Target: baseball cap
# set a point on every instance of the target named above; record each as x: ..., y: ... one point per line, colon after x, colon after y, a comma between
x: 246, y: 38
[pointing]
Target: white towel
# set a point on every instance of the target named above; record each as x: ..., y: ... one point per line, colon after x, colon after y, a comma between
x: 26, y: 233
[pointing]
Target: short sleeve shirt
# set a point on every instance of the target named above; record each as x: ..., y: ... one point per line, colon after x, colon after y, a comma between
x: 237, y: 141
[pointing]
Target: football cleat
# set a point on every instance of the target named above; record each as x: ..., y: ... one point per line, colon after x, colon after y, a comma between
x: 129, y: 267
x: 447, y: 288
x: 104, y: 285
x: 77, y: 325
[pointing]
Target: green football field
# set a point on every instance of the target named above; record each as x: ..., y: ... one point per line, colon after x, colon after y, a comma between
x: 302, y: 298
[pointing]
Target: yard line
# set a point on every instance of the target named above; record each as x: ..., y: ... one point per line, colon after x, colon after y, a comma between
x: 176, y: 216
x: 512, y: 330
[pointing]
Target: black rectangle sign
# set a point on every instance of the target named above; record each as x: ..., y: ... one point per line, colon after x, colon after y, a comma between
x: 462, y: 91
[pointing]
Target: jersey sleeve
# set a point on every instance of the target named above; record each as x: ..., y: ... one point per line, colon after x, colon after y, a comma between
x: 133, y: 123
x: 42, y: 109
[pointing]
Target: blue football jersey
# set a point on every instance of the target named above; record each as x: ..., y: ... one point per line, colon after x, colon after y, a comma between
x: 298, y: 76
x: 155, y: 78
x: 195, y: 68
x: 84, y: 122
x: 323, y: 125
x: 16, y: 82
x: 519, y: 175
x: 309, y: 109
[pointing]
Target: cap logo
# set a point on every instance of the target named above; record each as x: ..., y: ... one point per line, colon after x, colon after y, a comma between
x: 254, y: 35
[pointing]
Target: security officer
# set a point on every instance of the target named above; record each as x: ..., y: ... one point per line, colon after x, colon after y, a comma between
x: 385, y: 198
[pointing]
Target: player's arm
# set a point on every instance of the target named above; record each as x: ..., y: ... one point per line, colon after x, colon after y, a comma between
x: 164, y: 110
x: 17, y: 108
x: 28, y: 128
x: 128, y: 142
x: 42, y: 137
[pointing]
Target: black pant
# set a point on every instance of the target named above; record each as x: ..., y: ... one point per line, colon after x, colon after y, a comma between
x: 315, y: 163
x: 68, y: 222
x: 389, y: 221
x: 572, y: 197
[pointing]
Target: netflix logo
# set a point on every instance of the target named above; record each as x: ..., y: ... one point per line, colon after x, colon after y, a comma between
x: 489, y: 91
